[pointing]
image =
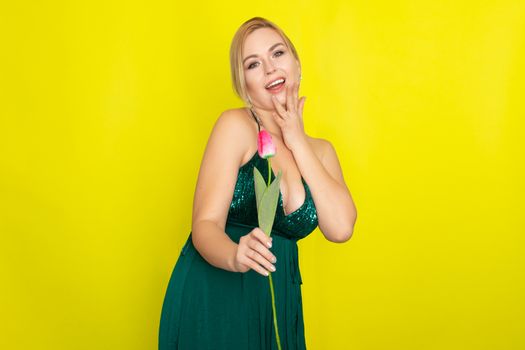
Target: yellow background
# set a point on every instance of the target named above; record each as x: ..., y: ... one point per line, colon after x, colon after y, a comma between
x: 105, y: 110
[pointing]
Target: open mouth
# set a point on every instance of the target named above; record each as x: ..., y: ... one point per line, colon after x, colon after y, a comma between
x: 276, y: 85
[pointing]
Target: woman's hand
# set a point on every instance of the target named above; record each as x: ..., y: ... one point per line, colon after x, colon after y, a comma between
x: 252, y: 250
x: 290, y: 120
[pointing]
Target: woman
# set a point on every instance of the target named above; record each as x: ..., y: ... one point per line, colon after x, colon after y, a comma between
x: 218, y: 296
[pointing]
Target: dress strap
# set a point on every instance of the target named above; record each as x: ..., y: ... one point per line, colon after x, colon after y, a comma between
x: 254, y: 117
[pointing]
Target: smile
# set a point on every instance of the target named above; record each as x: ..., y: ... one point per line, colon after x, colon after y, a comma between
x: 276, y: 85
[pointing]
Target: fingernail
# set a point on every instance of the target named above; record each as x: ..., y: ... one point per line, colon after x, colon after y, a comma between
x: 269, y: 244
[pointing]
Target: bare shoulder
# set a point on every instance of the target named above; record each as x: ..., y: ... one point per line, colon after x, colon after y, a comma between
x: 235, y: 119
x: 239, y: 117
x: 234, y: 111
x: 235, y: 115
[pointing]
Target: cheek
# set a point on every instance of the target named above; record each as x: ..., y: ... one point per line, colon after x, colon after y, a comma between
x: 249, y: 81
x: 293, y: 67
x: 253, y: 83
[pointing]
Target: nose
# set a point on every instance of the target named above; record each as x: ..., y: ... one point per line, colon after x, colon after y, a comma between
x: 269, y: 68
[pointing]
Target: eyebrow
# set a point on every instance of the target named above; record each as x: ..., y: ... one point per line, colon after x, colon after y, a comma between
x: 270, y: 49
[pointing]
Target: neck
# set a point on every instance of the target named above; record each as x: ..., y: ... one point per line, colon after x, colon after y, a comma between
x: 267, y: 121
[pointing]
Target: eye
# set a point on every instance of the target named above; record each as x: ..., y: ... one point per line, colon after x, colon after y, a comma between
x: 278, y: 53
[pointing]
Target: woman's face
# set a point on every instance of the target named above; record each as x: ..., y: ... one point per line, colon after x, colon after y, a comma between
x: 266, y: 58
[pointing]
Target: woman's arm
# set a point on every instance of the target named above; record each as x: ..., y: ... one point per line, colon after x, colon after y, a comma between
x: 336, y: 210
x: 214, y: 245
x: 214, y: 190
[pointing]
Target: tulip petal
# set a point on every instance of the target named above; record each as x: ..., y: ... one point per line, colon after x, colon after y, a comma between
x: 265, y: 145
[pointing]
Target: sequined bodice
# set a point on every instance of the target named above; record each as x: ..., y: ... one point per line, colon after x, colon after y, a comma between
x: 243, y: 209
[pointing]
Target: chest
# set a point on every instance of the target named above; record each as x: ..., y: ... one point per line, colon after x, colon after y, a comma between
x: 296, y: 224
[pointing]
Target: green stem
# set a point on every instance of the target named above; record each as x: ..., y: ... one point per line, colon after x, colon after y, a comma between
x: 274, y: 314
x: 270, y: 277
x: 269, y: 172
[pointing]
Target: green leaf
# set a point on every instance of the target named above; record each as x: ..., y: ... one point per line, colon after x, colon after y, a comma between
x: 268, y: 204
x: 260, y: 185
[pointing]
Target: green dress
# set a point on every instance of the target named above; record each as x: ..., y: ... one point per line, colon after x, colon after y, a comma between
x: 210, y: 308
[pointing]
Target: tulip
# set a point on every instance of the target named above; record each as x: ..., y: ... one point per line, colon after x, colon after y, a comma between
x: 266, y: 195
x: 266, y: 149
x: 265, y: 145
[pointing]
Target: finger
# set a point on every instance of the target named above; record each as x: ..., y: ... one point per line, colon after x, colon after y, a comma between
x: 259, y: 235
x: 252, y: 257
x: 289, y: 97
x: 301, y: 106
x: 278, y: 119
x: 261, y: 263
x: 277, y: 106
x: 280, y: 109
x: 296, y: 96
x: 263, y: 256
x: 263, y: 250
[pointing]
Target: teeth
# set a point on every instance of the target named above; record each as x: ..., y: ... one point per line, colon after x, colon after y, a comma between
x: 275, y: 83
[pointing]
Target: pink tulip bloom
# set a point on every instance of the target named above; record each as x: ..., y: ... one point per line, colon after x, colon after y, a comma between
x: 265, y: 145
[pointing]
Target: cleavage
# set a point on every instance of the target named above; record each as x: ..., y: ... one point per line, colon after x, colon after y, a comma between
x: 287, y: 196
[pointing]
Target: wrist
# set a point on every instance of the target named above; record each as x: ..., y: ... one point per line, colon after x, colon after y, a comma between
x: 300, y: 144
x: 231, y: 260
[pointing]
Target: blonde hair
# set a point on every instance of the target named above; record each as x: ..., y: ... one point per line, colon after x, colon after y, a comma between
x: 236, y: 52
